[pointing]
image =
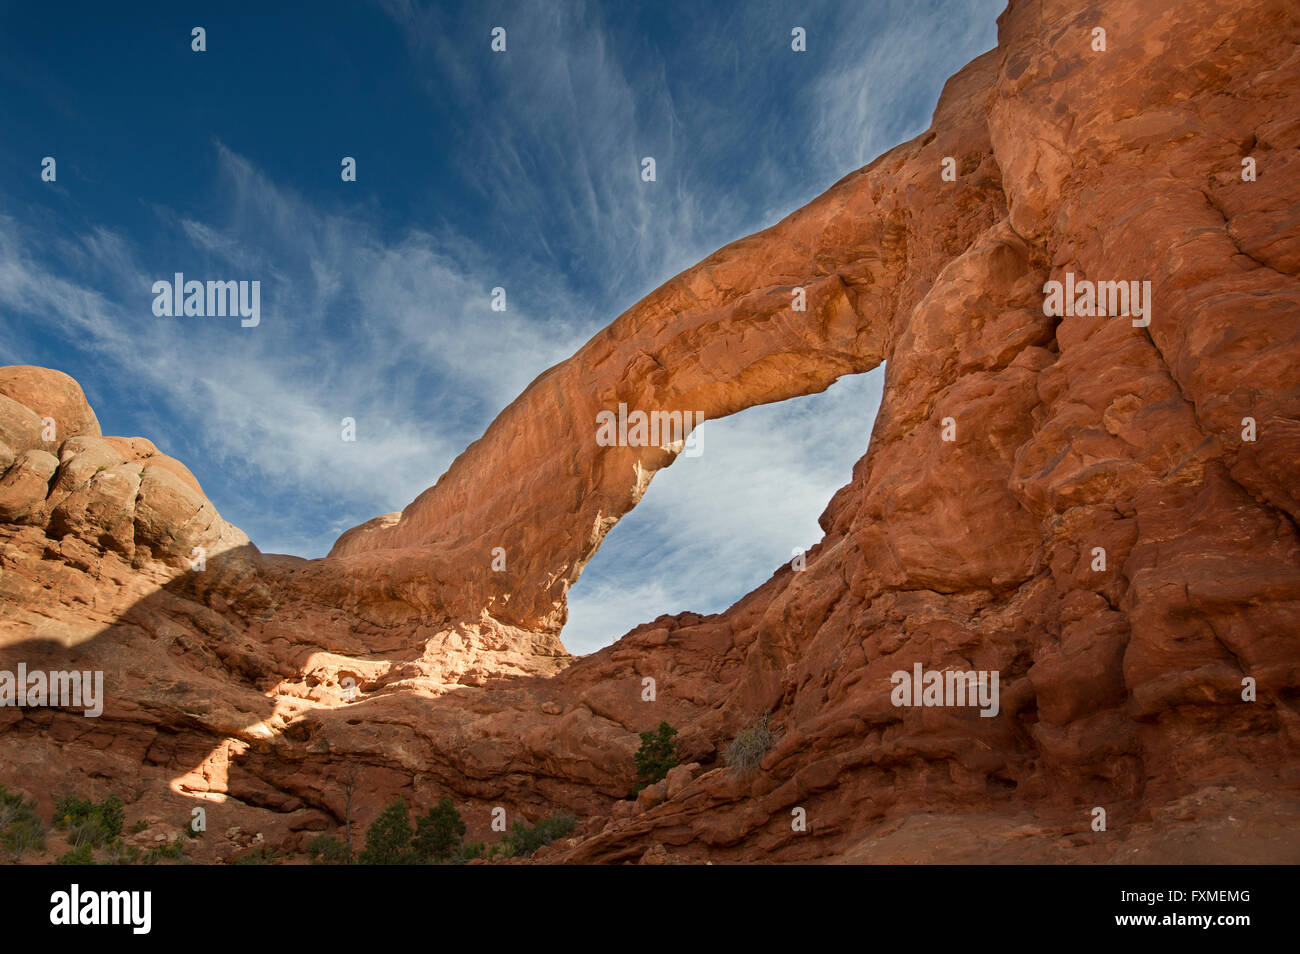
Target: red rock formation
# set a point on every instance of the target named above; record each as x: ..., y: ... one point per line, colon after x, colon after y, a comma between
x: 1121, y: 684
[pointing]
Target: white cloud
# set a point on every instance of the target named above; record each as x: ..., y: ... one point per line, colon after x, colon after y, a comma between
x: 883, y: 73
x: 556, y: 149
x: 268, y: 402
x: 396, y: 330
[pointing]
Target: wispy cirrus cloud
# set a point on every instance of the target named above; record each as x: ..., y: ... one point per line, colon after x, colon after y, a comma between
x: 885, y: 71
x: 398, y: 336
x: 743, y: 131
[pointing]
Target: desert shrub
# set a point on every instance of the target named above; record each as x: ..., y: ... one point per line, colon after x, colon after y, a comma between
x: 70, y: 811
x: 83, y: 854
x: 388, y: 839
x: 471, y: 850
x: 87, y: 833
x: 261, y: 855
x: 439, y: 834
x: 13, y: 807
x: 111, y: 816
x: 170, y: 851
x: 325, y: 850
x: 139, y: 826
x: 20, y: 828
x: 89, y: 823
x: 658, y: 753
x: 749, y: 746
x: 523, y: 839
x: 22, y: 836
x: 118, y: 853
x: 167, y: 851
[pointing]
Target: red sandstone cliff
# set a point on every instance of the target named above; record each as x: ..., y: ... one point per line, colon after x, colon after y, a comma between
x: 1120, y: 688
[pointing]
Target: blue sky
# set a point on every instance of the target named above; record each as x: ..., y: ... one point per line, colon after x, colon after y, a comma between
x: 474, y: 170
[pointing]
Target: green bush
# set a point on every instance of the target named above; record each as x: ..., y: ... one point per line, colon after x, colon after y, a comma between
x: 471, y: 850
x: 87, y: 833
x: 88, y: 823
x: 439, y: 834
x: 325, y: 850
x: 22, y: 836
x: 438, y: 838
x: 13, y: 807
x: 523, y: 839
x: 171, y: 851
x: 71, y: 810
x: 20, y: 828
x: 111, y: 817
x: 657, y: 755
x: 749, y: 746
x: 81, y: 855
x: 388, y: 839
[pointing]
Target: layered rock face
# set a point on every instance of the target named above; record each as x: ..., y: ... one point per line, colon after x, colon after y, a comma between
x: 1101, y: 510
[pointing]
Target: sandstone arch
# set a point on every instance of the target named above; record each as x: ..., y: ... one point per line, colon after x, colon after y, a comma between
x: 1121, y: 687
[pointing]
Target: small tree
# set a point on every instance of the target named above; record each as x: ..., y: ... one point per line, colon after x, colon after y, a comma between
x: 388, y: 839
x: 658, y: 753
x: 440, y: 833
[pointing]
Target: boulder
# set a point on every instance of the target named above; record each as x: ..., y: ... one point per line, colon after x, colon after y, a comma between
x: 50, y: 394
x: 25, y: 485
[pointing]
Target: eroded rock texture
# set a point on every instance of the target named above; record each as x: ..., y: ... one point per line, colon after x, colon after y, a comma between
x: 1121, y: 687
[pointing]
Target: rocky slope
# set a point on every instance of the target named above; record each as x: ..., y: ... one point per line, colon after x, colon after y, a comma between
x: 1121, y: 681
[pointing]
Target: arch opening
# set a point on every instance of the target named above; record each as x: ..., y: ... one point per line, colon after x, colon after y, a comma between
x: 712, y: 528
